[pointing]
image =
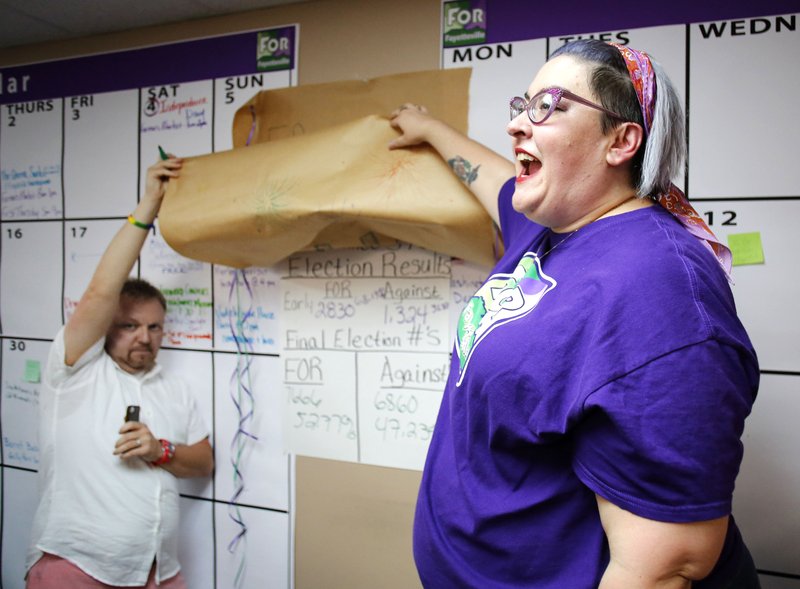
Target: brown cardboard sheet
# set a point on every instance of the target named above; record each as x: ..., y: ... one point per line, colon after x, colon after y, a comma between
x: 334, y: 187
x: 288, y: 112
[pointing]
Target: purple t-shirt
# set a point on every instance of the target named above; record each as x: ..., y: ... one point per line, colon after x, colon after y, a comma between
x: 607, y: 361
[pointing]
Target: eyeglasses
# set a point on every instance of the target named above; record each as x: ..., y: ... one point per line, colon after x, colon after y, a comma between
x: 544, y: 103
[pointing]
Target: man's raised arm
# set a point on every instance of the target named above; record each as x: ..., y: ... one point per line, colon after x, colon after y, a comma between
x: 95, y: 311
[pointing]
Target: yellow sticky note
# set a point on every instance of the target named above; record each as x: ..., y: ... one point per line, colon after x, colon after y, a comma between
x: 33, y: 371
x: 746, y: 248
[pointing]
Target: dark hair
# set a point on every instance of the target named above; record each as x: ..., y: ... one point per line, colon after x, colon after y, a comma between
x: 141, y: 290
x: 609, y: 80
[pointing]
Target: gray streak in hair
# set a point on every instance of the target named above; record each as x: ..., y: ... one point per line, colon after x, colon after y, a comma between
x: 665, y: 151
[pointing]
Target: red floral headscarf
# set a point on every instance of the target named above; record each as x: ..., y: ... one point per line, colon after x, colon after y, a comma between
x: 674, y: 200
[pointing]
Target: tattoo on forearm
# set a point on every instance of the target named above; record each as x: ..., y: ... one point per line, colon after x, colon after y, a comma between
x: 464, y: 170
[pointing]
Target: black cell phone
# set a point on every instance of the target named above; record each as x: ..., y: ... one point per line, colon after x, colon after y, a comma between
x: 132, y: 413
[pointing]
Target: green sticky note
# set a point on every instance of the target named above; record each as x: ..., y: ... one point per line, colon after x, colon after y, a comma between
x: 33, y: 371
x: 746, y: 248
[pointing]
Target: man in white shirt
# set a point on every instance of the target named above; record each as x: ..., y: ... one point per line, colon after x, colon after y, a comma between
x: 108, y: 512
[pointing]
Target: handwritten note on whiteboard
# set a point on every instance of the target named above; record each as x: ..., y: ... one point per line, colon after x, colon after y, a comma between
x: 245, y: 304
x: 22, y: 362
x: 30, y: 174
x: 366, y: 337
x: 186, y: 285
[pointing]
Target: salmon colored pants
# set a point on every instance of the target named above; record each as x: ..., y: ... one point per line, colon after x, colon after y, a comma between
x: 51, y: 572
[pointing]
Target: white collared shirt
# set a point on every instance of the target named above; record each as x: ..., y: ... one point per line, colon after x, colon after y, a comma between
x: 108, y: 516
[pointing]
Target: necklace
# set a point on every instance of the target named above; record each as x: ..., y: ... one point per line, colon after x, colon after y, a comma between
x: 574, y: 231
x: 551, y: 233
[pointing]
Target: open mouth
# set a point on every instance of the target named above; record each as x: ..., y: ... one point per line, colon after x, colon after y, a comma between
x: 528, y: 163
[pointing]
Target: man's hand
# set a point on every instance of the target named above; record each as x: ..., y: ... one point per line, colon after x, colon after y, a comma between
x: 156, y: 185
x: 136, y: 441
x: 93, y: 316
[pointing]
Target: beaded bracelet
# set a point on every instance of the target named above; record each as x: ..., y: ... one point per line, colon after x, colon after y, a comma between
x: 132, y: 220
x: 167, y: 453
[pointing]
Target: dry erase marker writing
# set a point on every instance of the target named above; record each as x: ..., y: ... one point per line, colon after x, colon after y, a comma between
x: 162, y: 153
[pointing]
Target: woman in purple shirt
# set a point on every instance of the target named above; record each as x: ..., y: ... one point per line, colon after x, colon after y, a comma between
x: 589, y: 435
